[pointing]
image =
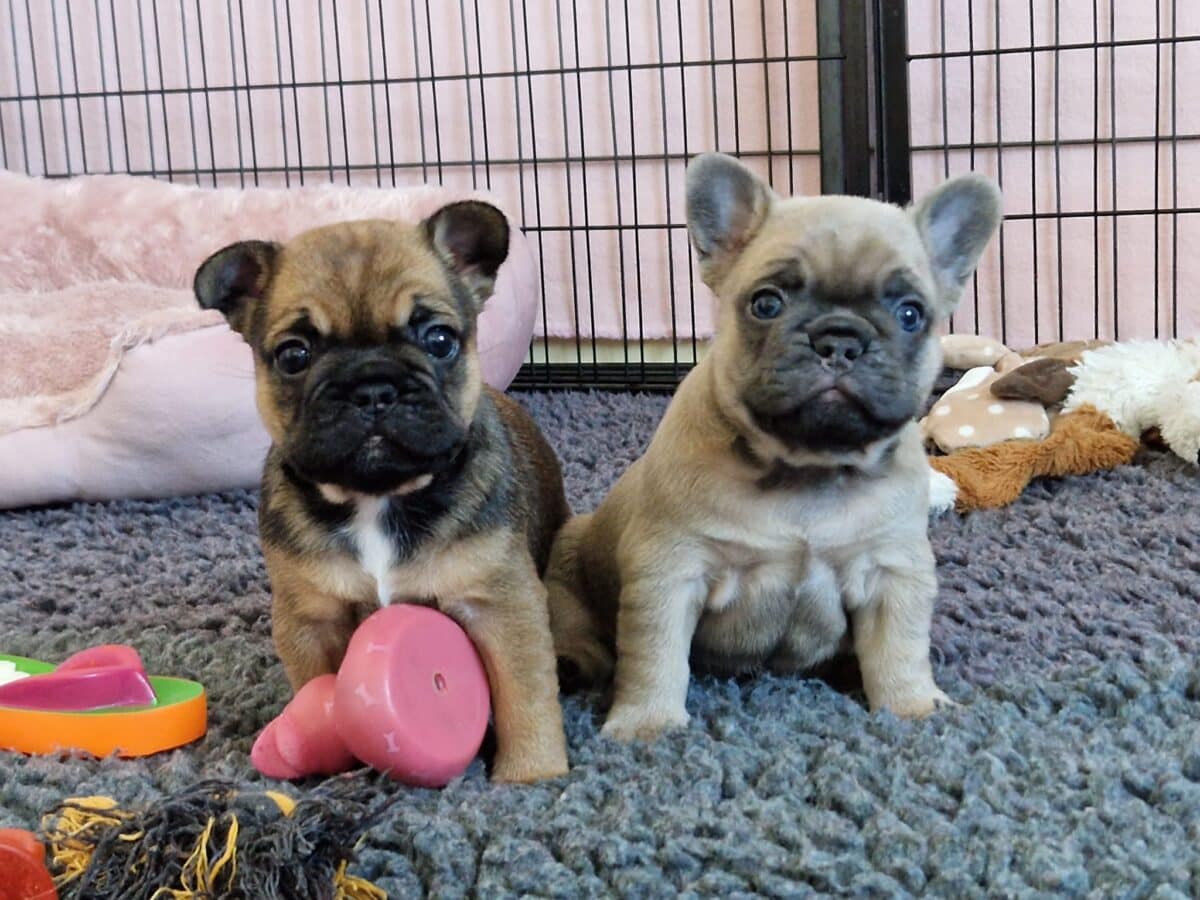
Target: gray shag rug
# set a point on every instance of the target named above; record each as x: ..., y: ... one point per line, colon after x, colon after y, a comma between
x: 1067, y: 626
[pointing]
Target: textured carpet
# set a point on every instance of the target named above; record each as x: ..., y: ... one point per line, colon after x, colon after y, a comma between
x: 1067, y: 626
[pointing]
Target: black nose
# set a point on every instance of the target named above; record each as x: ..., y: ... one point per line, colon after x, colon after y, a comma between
x: 375, y: 397
x: 838, y: 339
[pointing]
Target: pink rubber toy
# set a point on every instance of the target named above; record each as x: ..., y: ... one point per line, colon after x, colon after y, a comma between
x: 410, y: 699
x: 109, y: 675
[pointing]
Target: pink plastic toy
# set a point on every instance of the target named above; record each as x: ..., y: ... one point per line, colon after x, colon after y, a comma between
x: 109, y: 675
x: 410, y: 699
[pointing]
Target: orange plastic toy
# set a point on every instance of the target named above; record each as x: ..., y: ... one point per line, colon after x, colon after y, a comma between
x: 176, y: 715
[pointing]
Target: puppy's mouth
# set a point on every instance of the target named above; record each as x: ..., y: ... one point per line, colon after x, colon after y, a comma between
x: 835, y: 413
x: 375, y: 465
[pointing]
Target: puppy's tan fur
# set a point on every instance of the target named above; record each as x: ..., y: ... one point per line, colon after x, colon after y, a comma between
x: 726, y: 545
x: 480, y: 560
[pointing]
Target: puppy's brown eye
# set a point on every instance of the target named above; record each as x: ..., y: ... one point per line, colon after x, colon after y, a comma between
x: 292, y: 356
x: 766, y: 305
x: 440, y: 342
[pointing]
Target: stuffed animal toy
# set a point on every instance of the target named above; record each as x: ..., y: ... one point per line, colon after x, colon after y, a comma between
x: 972, y: 413
x: 1002, y: 424
x: 1144, y: 385
x: 1082, y: 441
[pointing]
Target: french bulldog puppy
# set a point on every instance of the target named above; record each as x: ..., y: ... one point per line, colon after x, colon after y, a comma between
x: 779, y: 515
x: 394, y: 474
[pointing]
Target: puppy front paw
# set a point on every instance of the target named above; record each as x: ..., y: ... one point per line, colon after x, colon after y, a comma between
x: 918, y: 706
x: 638, y: 724
x: 517, y: 770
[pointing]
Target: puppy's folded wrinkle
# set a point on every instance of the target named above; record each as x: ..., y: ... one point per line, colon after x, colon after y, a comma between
x: 395, y: 474
x: 778, y: 517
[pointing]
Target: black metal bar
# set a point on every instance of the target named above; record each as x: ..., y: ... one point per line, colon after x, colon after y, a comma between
x: 1058, y: 222
x: 287, y: 174
x: 161, y: 83
x: 387, y: 92
x: 762, y: 16
x: 483, y: 113
x: 537, y: 184
x: 737, y: 119
x: 971, y: 138
x: 1174, y: 176
x: 1096, y: 167
x: 1064, y: 142
x: 120, y: 86
x: 894, y: 159
x: 250, y: 117
x: 33, y: 67
x: 433, y: 90
x: 462, y: 21
x: 830, y: 105
x: 1042, y: 48
x: 612, y: 113
x: 237, y: 109
x: 857, y: 132
x: 212, y: 150
x: 1033, y: 107
x: 422, y: 79
x: 686, y: 153
x: 1157, y: 151
x: 368, y: 34
x: 662, y: 96
x: 787, y: 97
x: 1112, y: 124
x: 712, y: 54
x: 146, y: 84
x: 62, y: 104
x: 587, y: 231
x: 570, y: 188
x: 1000, y: 178
x: 637, y: 243
x: 325, y: 94
x: 416, y: 50
x: 295, y: 92
x: 74, y: 81
x: 341, y: 86
x: 943, y: 90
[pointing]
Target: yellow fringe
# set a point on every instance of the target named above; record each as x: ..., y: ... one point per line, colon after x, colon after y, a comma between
x: 72, y: 839
x: 351, y: 887
x: 71, y: 836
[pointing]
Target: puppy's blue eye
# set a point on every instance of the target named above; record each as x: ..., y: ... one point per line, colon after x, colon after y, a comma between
x: 440, y: 342
x: 910, y: 316
x: 293, y: 356
x: 766, y: 305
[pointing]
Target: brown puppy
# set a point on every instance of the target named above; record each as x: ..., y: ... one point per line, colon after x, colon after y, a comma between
x: 394, y: 474
x: 779, y: 515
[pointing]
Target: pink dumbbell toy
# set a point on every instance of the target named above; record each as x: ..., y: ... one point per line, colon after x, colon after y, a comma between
x: 410, y: 699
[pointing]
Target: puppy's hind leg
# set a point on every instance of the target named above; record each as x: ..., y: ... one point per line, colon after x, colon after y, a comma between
x: 582, y: 653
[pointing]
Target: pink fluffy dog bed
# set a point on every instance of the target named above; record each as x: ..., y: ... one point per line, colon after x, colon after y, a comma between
x: 113, y: 383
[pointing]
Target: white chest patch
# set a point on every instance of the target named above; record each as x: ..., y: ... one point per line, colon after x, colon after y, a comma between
x: 373, y: 546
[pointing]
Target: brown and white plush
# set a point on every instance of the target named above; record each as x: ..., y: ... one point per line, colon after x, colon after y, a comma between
x: 970, y: 415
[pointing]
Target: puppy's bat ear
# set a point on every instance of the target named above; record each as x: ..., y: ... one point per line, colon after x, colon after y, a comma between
x: 956, y: 221
x: 726, y: 205
x: 233, y: 278
x: 472, y: 239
